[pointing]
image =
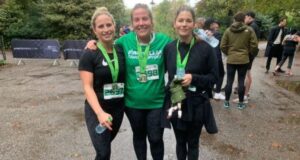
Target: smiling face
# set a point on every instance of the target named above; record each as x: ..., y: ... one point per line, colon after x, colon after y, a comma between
x: 184, y: 24
x: 142, y: 23
x: 104, y: 28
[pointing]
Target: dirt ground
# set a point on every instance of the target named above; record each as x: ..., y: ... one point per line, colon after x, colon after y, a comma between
x: 41, y: 115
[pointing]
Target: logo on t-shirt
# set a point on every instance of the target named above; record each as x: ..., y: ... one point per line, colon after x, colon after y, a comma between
x: 152, y: 55
x: 104, y: 63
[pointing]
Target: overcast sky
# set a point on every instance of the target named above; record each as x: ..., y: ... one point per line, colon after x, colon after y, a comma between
x: 131, y: 3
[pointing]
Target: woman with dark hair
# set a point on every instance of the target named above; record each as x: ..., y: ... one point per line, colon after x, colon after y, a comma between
x: 192, y: 66
x: 238, y: 42
x: 213, y: 26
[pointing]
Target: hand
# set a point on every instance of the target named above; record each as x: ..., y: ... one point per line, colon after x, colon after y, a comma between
x: 103, y: 119
x: 91, y: 45
x: 187, y: 79
x: 209, y: 33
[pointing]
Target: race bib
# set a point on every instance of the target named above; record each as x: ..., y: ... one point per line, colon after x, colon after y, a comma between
x: 151, y: 72
x: 113, y: 90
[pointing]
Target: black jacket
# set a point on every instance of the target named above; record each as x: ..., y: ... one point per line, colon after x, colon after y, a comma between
x: 272, y: 36
x: 203, y: 66
x: 255, y: 27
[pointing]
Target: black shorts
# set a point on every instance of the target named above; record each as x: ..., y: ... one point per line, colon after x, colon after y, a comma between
x: 251, y: 59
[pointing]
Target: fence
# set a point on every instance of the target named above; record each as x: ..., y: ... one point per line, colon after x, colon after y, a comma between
x: 47, y: 49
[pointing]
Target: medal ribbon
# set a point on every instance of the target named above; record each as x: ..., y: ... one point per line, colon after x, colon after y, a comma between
x: 179, y: 63
x: 114, y: 68
x: 142, y: 57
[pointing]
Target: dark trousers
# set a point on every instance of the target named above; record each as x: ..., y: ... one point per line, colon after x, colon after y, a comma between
x: 276, y: 51
x: 242, y: 70
x: 102, y: 142
x: 187, y: 142
x: 221, y: 76
x: 146, y: 123
x: 291, y: 58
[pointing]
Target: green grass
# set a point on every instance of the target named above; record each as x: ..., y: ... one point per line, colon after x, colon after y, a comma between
x: 2, y: 62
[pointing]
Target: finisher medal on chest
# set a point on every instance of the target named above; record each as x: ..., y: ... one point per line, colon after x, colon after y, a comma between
x: 180, y: 72
x: 143, y: 78
x: 114, y: 86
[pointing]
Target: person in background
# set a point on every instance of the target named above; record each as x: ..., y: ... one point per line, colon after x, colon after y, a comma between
x: 274, y: 45
x: 214, y: 26
x: 250, y: 21
x: 237, y: 43
x: 200, y: 23
x: 100, y: 70
x: 195, y: 64
x: 289, y: 42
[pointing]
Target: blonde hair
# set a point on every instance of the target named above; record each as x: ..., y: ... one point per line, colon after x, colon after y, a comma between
x: 101, y: 11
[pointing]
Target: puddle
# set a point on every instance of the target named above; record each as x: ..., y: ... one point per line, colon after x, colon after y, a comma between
x: 292, y: 119
x: 40, y: 75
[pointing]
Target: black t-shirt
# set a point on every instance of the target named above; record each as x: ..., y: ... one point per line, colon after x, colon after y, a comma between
x: 94, y: 62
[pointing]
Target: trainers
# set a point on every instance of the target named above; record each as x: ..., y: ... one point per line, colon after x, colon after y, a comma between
x: 241, y: 105
x: 275, y: 73
x: 280, y: 70
x: 237, y: 100
x: 219, y: 96
x: 226, y: 104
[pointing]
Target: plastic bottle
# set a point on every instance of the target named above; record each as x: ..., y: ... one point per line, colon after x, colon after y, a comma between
x: 211, y: 40
x: 100, y: 128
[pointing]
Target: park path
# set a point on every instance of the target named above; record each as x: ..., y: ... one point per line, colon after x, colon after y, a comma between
x: 41, y: 115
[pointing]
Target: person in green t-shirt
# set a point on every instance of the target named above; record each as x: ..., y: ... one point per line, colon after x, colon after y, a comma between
x: 144, y: 82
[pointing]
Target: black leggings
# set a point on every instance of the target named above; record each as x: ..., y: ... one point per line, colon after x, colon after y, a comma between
x: 242, y: 70
x: 291, y: 58
x: 187, y: 142
x: 102, y: 142
x: 221, y: 76
x: 146, y: 123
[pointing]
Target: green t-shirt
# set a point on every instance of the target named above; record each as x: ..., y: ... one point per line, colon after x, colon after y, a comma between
x: 150, y: 94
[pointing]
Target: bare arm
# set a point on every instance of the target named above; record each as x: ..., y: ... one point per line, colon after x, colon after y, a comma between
x: 87, y: 82
x: 91, y: 45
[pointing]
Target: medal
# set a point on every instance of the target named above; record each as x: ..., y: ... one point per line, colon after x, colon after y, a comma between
x: 143, y: 78
x: 114, y: 86
x: 142, y: 57
x: 181, y: 64
x: 180, y: 72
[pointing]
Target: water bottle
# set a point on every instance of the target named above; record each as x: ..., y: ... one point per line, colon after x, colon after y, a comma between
x: 100, y: 128
x: 211, y: 40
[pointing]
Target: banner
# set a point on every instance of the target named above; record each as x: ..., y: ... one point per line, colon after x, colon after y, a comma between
x: 48, y: 49
x: 73, y: 49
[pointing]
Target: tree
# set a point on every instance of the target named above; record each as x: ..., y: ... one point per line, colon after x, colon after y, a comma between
x: 164, y: 15
x: 70, y: 19
x: 39, y: 19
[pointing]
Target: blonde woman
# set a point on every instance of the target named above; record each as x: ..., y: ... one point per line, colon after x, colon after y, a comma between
x: 102, y: 75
